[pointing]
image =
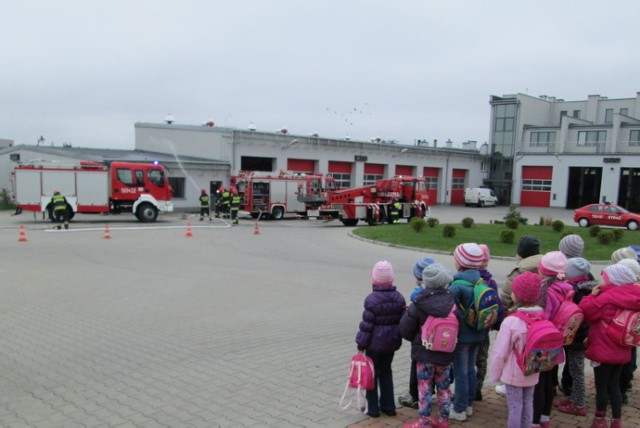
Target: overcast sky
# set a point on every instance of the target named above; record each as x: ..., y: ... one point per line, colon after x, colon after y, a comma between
x: 83, y: 72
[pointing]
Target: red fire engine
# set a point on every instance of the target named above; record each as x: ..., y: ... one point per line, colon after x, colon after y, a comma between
x: 93, y: 187
x: 275, y: 194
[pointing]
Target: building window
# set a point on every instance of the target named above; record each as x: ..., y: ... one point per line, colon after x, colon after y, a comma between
x: 576, y: 114
x: 457, y: 183
x: 343, y: 181
x: 591, y: 138
x: 542, y: 138
x: 370, y: 179
x: 608, y: 115
x: 177, y: 187
x: 624, y: 111
x: 483, y: 166
x: 634, y: 138
x: 563, y: 113
x: 504, y: 125
x: 536, y: 185
x: 432, y: 182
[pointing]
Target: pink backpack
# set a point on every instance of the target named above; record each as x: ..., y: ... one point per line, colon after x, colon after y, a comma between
x: 624, y: 328
x: 441, y: 333
x: 361, y: 378
x: 543, y: 349
x: 568, y: 317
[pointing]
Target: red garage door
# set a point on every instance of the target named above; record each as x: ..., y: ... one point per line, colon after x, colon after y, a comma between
x: 431, y: 176
x: 404, y: 170
x: 457, y: 186
x: 536, y: 186
x: 341, y: 171
x: 301, y: 165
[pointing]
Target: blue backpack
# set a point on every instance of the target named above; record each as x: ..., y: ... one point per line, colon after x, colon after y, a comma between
x: 482, y: 312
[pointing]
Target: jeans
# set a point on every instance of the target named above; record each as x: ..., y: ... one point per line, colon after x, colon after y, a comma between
x: 520, y: 404
x: 464, y: 369
x: 384, y: 381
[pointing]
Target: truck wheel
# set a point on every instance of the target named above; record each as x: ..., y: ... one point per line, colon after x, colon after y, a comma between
x: 277, y: 213
x: 70, y: 212
x: 349, y: 221
x: 147, y: 213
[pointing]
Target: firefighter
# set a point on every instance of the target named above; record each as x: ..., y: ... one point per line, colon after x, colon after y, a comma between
x: 395, y: 211
x: 226, y: 201
x: 59, y: 204
x: 217, y: 202
x: 235, y: 205
x: 204, y: 205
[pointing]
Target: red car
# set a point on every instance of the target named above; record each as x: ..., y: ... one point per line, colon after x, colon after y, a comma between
x: 606, y: 214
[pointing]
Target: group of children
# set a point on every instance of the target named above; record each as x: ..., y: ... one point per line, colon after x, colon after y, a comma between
x: 533, y: 291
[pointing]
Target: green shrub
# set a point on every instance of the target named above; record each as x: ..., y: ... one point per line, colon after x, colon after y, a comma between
x: 449, y: 231
x: 514, y: 213
x: 512, y: 223
x: 617, y: 234
x: 605, y: 237
x: 433, y: 222
x: 467, y: 222
x: 507, y: 236
x: 594, y: 230
x: 557, y: 225
x: 541, y: 222
x: 417, y: 224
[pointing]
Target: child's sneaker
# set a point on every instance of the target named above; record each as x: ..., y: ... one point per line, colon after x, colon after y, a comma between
x: 414, y: 424
x: 407, y: 400
x: 462, y: 416
x: 563, y: 402
x: 469, y: 411
x: 572, y: 409
x: 501, y: 389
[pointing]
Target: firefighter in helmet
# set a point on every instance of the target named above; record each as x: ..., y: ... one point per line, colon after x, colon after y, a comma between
x: 204, y: 205
x: 395, y: 211
x: 59, y: 204
x: 235, y: 205
x: 217, y: 203
x: 225, y: 202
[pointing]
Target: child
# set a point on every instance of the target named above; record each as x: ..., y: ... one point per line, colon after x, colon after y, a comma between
x: 379, y: 335
x: 551, y: 268
x: 617, y: 291
x: 468, y: 259
x: 579, y: 276
x: 433, y: 367
x: 411, y: 399
x: 512, y: 337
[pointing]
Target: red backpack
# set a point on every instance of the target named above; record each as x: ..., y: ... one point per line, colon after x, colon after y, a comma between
x: 441, y: 333
x: 624, y: 328
x: 569, y: 316
x: 361, y: 378
x: 543, y: 349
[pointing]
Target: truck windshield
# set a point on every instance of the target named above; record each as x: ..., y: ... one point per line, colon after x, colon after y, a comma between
x: 156, y: 176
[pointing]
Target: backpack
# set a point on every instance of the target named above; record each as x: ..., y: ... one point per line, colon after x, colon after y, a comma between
x: 482, y: 313
x: 568, y: 318
x: 361, y: 378
x: 624, y: 328
x: 543, y: 349
x: 441, y: 333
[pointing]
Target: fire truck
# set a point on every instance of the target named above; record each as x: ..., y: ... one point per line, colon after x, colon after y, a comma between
x: 372, y: 203
x: 93, y: 188
x: 275, y: 194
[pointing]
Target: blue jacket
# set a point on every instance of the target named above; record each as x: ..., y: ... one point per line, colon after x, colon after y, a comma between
x: 379, y: 331
x: 464, y: 296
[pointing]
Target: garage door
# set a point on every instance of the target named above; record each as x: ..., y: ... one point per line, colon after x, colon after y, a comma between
x: 536, y: 186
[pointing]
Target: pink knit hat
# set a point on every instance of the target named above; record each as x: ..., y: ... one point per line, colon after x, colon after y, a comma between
x: 618, y: 275
x: 554, y: 263
x: 382, y: 274
x: 469, y: 255
x: 526, y: 287
x: 486, y: 255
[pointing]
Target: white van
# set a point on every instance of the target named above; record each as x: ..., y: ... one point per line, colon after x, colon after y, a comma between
x: 480, y: 197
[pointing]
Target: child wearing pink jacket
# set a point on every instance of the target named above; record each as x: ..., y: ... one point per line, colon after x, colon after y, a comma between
x: 512, y: 337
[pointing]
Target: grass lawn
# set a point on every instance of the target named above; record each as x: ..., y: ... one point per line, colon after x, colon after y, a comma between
x: 489, y: 234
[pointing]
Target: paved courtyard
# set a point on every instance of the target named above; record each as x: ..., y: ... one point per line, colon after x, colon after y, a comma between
x: 226, y: 328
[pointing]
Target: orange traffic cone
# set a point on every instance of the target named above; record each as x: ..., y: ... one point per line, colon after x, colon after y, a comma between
x: 256, y: 230
x: 189, y: 234
x: 106, y: 232
x: 23, y: 235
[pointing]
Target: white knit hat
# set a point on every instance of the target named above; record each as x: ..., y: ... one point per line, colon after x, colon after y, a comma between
x: 469, y: 255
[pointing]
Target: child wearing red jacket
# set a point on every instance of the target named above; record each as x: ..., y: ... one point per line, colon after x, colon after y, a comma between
x: 608, y: 357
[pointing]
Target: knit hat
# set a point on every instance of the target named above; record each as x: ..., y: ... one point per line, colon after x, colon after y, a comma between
x: 382, y: 273
x: 577, y: 267
x: 554, y: 263
x: 420, y: 265
x: 486, y: 255
x: 633, y: 265
x: 623, y: 253
x: 618, y: 275
x: 526, y: 287
x: 571, y: 246
x: 528, y: 246
x: 436, y: 276
x: 468, y: 255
